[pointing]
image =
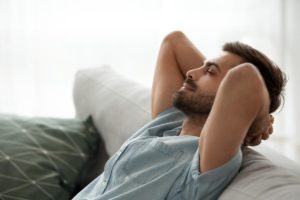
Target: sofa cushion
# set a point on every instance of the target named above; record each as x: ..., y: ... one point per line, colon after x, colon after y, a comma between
x: 259, y: 178
x: 41, y: 158
x: 120, y: 107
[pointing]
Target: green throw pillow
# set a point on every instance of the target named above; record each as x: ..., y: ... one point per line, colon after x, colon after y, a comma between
x: 42, y: 158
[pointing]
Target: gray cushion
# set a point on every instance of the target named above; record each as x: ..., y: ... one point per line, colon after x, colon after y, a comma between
x: 259, y: 178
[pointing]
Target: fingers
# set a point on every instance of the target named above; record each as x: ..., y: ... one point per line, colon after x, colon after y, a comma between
x: 265, y: 135
x: 270, y: 130
x: 256, y: 140
x: 271, y: 117
x: 247, y: 141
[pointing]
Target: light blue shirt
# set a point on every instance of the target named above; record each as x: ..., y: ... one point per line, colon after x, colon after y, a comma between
x: 157, y: 164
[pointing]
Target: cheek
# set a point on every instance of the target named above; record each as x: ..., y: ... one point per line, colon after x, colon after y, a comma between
x: 208, y: 86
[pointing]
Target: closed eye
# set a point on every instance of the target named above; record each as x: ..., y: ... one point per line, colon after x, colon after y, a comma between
x: 211, y: 69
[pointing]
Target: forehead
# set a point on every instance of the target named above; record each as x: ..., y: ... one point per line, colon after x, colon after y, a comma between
x: 227, y: 60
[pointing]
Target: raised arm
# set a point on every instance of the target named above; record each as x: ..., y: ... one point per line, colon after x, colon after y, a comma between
x: 177, y: 55
x: 241, y: 99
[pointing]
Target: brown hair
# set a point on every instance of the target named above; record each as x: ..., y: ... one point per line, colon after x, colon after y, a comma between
x: 274, y: 78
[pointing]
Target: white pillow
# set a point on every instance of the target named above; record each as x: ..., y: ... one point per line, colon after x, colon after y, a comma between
x: 120, y: 107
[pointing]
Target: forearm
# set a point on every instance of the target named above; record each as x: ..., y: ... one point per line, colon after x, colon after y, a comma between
x: 176, y: 56
x: 241, y: 98
x: 186, y: 54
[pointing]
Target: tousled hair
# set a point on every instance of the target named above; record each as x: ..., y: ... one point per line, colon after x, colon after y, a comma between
x: 274, y: 78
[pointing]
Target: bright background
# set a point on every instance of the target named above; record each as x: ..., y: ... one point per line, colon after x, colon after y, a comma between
x: 43, y: 43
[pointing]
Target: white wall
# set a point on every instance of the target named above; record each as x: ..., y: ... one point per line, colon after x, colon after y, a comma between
x: 43, y: 43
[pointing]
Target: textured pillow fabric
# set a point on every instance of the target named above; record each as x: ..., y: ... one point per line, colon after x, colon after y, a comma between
x: 41, y: 158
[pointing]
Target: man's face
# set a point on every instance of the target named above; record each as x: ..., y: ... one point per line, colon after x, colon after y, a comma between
x: 198, y: 92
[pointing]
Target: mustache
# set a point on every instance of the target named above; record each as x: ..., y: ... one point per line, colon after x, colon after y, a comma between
x: 190, y: 83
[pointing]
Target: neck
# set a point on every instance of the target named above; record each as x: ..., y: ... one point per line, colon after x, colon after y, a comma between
x: 193, y: 125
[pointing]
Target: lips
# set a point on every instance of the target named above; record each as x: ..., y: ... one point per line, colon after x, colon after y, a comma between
x: 189, y: 87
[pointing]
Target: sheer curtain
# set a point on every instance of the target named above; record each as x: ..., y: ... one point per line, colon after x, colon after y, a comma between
x: 43, y: 43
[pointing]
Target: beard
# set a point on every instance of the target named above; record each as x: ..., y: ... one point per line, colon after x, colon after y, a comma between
x: 193, y: 105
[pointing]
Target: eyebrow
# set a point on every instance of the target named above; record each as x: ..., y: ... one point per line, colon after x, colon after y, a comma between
x: 208, y: 63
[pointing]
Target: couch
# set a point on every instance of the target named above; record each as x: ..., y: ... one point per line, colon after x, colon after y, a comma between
x: 53, y: 158
x: 120, y: 106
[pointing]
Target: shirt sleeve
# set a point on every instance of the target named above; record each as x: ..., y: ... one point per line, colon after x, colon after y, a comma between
x: 168, y: 119
x: 210, y: 184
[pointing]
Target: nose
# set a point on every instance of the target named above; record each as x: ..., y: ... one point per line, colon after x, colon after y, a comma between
x: 193, y: 74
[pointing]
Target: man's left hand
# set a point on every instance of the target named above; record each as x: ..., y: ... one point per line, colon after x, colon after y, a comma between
x: 255, y: 138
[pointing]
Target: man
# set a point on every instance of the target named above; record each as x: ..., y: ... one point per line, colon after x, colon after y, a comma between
x: 193, y: 150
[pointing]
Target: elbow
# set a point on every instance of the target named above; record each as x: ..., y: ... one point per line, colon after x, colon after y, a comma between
x: 247, y: 81
x: 246, y: 75
x: 173, y: 36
